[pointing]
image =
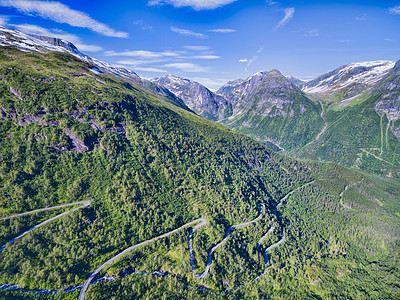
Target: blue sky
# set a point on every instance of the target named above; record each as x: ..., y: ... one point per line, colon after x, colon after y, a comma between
x: 214, y: 41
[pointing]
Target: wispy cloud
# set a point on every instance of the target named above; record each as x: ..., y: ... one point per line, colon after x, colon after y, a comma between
x: 197, y: 48
x: 61, y: 13
x: 312, y: 33
x: 195, y: 4
x: 142, y: 25
x: 289, y: 12
x: 270, y: 2
x: 222, y: 30
x: 142, y: 54
x: 4, y: 20
x: 395, y: 10
x: 206, y: 57
x: 187, y: 67
x: 250, y: 62
x: 150, y: 69
x: 343, y: 41
x: 188, y: 32
x: 57, y: 33
x: 361, y: 18
x: 140, y: 62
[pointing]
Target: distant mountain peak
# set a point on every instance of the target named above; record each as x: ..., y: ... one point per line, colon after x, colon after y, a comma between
x: 58, y: 42
x: 274, y: 72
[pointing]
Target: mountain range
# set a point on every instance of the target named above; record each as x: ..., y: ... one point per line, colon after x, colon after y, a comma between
x: 112, y: 186
x: 350, y: 115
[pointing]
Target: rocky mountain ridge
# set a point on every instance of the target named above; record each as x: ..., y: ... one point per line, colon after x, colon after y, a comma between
x: 196, y: 96
x: 344, y: 84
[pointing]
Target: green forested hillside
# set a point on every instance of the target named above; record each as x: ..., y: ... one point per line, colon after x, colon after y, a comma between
x: 149, y: 166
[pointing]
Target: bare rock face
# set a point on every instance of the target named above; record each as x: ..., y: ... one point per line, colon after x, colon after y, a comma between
x: 388, y: 92
x: 196, y: 96
x: 265, y: 94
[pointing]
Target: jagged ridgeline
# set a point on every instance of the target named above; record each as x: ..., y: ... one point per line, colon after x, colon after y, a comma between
x: 71, y: 132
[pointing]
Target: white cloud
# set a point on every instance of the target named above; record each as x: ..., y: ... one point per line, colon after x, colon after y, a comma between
x: 187, y: 67
x: 142, y: 54
x: 195, y: 4
x: 150, y: 69
x: 140, y: 62
x: 312, y: 33
x: 206, y: 57
x: 260, y: 49
x: 188, y: 32
x: 289, y: 12
x: 88, y: 48
x: 243, y: 60
x: 3, y: 20
x: 395, y: 10
x: 61, y: 13
x: 197, y: 48
x: 270, y: 2
x: 222, y: 30
x: 37, y: 30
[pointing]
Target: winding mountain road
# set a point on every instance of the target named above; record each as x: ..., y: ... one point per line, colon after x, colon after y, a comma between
x: 266, y: 260
x: 341, y: 198
x: 84, y: 204
x: 202, y: 223
x: 209, y: 258
x: 110, y: 261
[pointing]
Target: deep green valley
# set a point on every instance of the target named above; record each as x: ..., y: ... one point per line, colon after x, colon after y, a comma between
x: 142, y: 163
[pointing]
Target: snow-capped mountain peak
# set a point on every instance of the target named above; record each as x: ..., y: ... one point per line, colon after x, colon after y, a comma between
x: 365, y: 74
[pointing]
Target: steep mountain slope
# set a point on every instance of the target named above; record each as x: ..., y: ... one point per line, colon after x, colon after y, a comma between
x: 365, y: 133
x: 145, y: 167
x: 44, y: 44
x: 197, y: 97
x: 343, y: 85
x: 388, y: 92
x: 269, y: 107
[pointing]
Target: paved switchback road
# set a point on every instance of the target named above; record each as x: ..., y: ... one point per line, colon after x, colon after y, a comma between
x: 209, y: 258
x: 84, y: 203
x: 110, y: 261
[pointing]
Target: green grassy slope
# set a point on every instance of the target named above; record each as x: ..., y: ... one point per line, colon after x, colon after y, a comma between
x: 357, y: 136
x: 149, y: 166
